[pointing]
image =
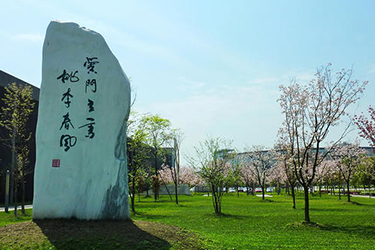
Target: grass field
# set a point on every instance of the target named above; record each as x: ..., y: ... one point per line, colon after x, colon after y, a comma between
x: 250, y: 223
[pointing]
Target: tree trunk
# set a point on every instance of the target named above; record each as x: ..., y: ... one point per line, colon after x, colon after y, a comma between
x: 132, y: 196
x: 147, y: 188
x: 307, y: 205
x: 132, y: 203
x: 262, y: 193
x: 15, y: 199
x: 176, y: 190
x: 293, y: 197
x: 347, y: 187
x: 214, y: 199
x: 156, y: 194
x: 12, y: 168
x: 169, y: 194
x: 320, y: 190
x: 23, y: 190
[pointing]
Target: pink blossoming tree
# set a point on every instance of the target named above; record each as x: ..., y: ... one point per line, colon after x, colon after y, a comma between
x: 348, y: 158
x: 367, y: 125
x: 310, y: 111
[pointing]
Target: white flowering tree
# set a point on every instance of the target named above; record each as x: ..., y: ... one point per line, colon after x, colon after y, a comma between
x: 325, y: 173
x: 348, y: 158
x: 277, y: 176
x: 260, y: 162
x: 211, y: 160
x: 284, y: 159
x: 189, y: 176
x: 310, y: 111
x: 366, y: 125
x: 248, y: 177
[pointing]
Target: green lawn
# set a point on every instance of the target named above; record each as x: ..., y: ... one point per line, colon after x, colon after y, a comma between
x: 8, y: 218
x: 250, y: 223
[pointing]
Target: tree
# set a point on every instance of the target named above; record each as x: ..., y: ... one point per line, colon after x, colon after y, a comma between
x: 176, y: 137
x: 155, y: 184
x: 158, y: 132
x: 261, y: 161
x: 310, y: 111
x: 248, y: 177
x: 18, y: 106
x: 367, y: 126
x: 365, y: 174
x: 211, y: 159
x: 235, y: 176
x: 284, y: 157
x: 187, y: 175
x: 140, y: 182
x: 277, y: 176
x: 138, y: 160
x: 324, y: 171
x: 348, y: 158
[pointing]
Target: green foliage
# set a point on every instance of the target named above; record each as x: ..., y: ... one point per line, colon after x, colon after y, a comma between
x: 158, y: 132
x: 212, y: 160
x: 155, y: 185
x: 366, y: 172
x: 18, y: 106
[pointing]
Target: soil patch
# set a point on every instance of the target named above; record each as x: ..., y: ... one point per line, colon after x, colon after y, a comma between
x: 76, y: 234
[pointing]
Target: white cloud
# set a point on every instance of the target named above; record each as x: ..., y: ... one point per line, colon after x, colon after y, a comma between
x: 189, y: 85
x: 245, y: 114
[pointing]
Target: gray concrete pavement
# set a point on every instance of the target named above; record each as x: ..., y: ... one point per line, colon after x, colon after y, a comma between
x: 11, y: 208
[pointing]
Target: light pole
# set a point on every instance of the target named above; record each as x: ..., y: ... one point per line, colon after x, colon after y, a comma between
x: 7, y: 191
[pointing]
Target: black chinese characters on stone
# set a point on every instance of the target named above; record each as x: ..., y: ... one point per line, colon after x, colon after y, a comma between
x: 90, y: 126
x: 66, y: 98
x: 66, y: 122
x: 65, y: 76
x: 67, y: 141
x: 90, y: 64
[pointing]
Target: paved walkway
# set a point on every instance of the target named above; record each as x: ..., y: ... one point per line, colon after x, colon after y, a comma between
x: 11, y: 208
x: 362, y: 196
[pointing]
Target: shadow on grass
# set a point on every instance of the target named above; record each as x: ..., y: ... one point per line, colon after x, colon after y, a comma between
x: 154, y: 217
x: 358, y: 230
x: 329, y: 209
x: 267, y: 200
x: 105, y: 234
x: 228, y: 216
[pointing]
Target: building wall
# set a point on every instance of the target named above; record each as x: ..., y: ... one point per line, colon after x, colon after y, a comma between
x: 5, y: 152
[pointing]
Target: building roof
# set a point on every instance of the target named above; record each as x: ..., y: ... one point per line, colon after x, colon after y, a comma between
x: 6, y: 79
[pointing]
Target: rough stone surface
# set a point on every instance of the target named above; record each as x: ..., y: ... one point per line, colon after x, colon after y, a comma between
x: 81, y: 168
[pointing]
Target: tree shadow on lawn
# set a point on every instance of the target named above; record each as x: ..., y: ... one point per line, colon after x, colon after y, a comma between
x: 155, y: 217
x: 358, y: 230
x: 328, y: 209
x: 101, y: 234
x: 228, y: 216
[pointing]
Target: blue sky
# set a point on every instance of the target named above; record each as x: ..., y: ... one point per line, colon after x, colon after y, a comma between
x: 212, y: 67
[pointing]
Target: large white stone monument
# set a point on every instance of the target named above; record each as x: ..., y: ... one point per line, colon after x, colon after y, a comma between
x: 81, y: 166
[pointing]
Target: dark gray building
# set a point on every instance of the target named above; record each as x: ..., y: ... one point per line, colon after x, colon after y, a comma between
x: 5, y: 152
